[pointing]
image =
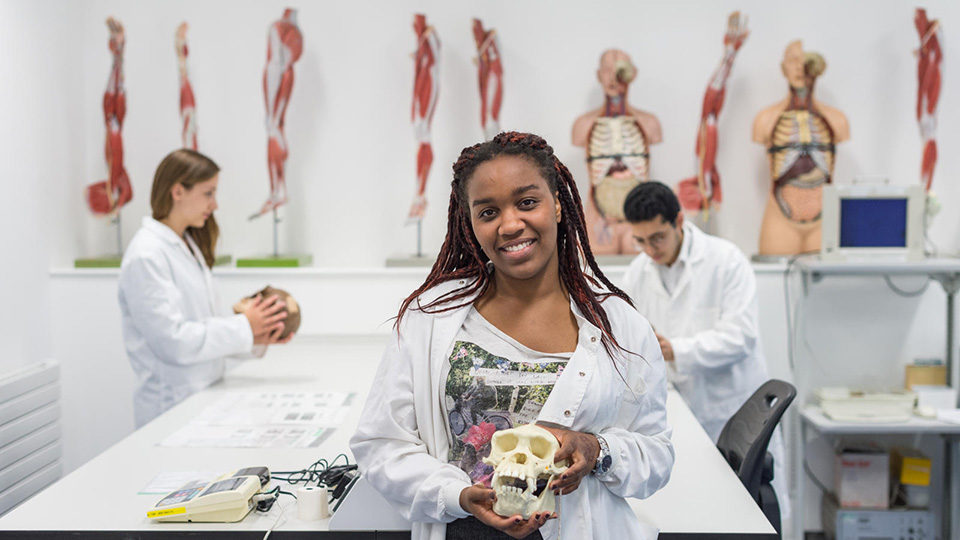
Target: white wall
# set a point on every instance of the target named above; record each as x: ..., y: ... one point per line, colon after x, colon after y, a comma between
x: 39, y: 60
x: 352, y: 159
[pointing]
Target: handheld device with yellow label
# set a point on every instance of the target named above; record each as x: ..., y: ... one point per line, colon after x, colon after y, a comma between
x: 220, y: 501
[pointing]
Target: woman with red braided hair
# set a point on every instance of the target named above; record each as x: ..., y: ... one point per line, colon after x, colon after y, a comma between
x: 516, y: 324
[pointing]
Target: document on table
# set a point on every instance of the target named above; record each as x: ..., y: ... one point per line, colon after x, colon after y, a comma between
x: 265, y: 420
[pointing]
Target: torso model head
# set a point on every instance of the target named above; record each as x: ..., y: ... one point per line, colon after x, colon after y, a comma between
x: 291, y: 324
x: 524, y: 467
x: 801, y: 68
x: 616, y: 72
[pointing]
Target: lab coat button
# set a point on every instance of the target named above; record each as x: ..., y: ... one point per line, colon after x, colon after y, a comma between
x: 582, y: 374
x: 566, y: 413
x: 593, y: 339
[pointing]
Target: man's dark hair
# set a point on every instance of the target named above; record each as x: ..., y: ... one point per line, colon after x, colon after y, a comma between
x: 649, y: 200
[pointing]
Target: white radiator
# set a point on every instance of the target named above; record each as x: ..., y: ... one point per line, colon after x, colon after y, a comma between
x: 30, y: 454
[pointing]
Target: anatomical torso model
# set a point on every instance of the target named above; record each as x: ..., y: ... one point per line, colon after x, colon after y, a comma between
x: 800, y: 134
x: 929, y: 58
x: 702, y: 193
x: 426, y: 89
x: 617, y: 139
x: 490, y: 75
x: 108, y: 196
x: 188, y: 114
x: 284, y: 47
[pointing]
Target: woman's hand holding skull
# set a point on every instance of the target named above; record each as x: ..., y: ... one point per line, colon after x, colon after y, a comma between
x: 581, y: 449
x: 478, y: 500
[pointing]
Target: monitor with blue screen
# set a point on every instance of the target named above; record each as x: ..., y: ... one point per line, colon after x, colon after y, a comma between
x: 876, y: 221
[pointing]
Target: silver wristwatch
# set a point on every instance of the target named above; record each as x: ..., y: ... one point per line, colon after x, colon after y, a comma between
x: 604, y: 460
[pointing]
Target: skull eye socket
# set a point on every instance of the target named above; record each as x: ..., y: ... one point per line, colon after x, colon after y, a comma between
x: 506, y: 441
x: 539, y: 448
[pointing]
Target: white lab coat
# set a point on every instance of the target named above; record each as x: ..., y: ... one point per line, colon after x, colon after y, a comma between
x: 176, y: 343
x: 401, y: 443
x: 710, y: 320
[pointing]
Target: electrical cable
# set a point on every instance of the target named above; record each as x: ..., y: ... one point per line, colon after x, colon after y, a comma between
x: 813, y: 478
x: 272, y: 527
x: 903, y: 293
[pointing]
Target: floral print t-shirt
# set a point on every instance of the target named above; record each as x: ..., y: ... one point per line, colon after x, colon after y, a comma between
x: 492, y: 383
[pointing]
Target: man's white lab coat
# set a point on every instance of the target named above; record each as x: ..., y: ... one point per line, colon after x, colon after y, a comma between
x: 710, y: 320
x: 175, y: 341
x: 401, y: 442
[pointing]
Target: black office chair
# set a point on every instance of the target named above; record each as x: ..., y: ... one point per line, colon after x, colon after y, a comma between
x: 744, y: 439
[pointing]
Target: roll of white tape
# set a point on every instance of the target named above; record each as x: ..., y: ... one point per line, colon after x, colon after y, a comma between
x: 312, y: 503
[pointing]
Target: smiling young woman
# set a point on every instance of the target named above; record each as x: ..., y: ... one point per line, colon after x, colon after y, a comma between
x: 516, y: 296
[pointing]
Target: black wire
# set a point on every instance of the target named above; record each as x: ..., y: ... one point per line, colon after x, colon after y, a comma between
x: 319, y: 472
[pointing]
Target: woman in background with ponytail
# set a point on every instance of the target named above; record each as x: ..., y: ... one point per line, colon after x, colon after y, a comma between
x: 176, y: 342
x: 515, y: 289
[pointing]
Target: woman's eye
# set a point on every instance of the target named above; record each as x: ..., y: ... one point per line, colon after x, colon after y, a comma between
x: 527, y: 203
x: 485, y: 213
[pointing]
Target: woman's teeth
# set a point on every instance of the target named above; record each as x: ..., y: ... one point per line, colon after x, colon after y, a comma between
x: 518, y: 247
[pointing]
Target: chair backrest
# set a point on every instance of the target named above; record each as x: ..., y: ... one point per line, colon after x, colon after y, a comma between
x: 743, y: 441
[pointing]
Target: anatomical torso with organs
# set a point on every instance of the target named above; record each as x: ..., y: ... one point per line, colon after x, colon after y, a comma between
x: 618, y: 159
x: 801, y: 160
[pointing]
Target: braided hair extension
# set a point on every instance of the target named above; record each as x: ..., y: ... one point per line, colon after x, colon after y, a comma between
x: 462, y: 258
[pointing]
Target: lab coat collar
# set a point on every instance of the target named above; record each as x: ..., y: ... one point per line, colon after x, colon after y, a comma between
x: 160, y: 230
x: 693, y: 242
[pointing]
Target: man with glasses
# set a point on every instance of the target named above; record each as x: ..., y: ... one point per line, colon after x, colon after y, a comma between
x: 700, y: 294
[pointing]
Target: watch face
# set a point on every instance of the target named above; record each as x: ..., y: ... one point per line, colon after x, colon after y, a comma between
x: 605, y: 463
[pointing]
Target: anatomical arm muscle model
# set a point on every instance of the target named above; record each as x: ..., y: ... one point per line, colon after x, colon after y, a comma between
x: 929, y: 58
x: 702, y: 191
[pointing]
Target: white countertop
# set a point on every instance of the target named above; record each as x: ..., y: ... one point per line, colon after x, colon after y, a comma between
x: 703, y: 496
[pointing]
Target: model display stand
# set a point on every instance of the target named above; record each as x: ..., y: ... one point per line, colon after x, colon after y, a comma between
x: 412, y: 261
x: 276, y: 260
x: 105, y: 261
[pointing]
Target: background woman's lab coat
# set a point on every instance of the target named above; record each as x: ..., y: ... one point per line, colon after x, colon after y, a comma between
x: 175, y: 341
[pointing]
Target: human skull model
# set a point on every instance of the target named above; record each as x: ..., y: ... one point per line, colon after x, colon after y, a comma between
x: 524, y: 467
x: 291, y: 323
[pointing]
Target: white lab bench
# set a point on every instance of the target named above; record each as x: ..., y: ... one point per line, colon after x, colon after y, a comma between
x: 704, y: 498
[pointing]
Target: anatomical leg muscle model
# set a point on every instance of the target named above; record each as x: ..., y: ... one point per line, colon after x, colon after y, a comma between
x: 426, y: 88
x: 284, y: 47
x: 188, y: 114
x: 108, y: 196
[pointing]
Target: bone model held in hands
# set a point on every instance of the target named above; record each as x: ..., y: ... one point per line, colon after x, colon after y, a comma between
x: 522, y: 458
